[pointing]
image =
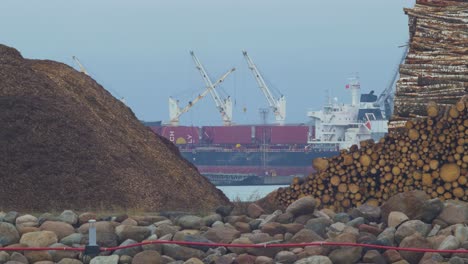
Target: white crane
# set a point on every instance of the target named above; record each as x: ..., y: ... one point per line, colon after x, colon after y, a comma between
x: 224, y: 106
x: 82, y: 68
x: 175, y: 111
x: 277, y: 105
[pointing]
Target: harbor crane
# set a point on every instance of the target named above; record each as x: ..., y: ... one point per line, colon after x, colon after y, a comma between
x: 386, y: 98
x: 82, y: 68
x: 224, y: 106
x: 175, y: 111
x: 277, y: 105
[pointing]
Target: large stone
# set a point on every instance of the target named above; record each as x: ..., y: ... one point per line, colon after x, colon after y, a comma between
x: 69, y: 261
x: 271, y: 217
x: 147, y: 257
x: 61, y: 229
x: 392, y: 256
x: 319, y: 225
x: 410, y: 203
x: 58, y: 255
x: 69, y: 217
x: 190, y: 222
x: 137, y: 233
x: 74, y: 238
x: 113, y: 259
x: 302, y: 206
x: 8, y: 234
x: 264, y: 260
x: 198, y: 238
x: 305, y: 235
x: 273, y: 228
x: 454, y: 213
x: 285, y: 257
x: 395, y: 218
x: 224, y: 210
x: 181, y: 253
x: 36, y: 256
x: 373, y: 256
x: 293, y: 228
x: 4, y: 257
x: 101, y: 227
x: 26, y: 221
x: 221, y: 234
x: 85, y: 217
x: 254, y: 210
x: 165, y: 229
x: 193, y: 261
x: 369, y: 212
x: 346, y: 255
x: 449, y: 243
x: 414, y: 241
x: 10, y: 217
x: 410, y: 227
x: 431, y: 209
x: 314, y: 260
x: 131, y: 251
x: 154, y: 247
x: 461, y: 232
x: 210, y: 219
x: 387, y: 237
x: 39, y: 239
x: 15, y: 256
x: 245, y: 259
x: 241, y: 240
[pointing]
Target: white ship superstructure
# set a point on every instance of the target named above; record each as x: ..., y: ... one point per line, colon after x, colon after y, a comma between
x: 343, y: 125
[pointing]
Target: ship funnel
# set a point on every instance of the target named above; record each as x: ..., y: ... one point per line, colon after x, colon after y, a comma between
x: 355, y: 87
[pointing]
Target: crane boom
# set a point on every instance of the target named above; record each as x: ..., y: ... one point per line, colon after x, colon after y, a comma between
x: 385, y: 100
x: 277, y: 105
x: 175, y: 112
x: 82, y: 68
x: 224, y: 106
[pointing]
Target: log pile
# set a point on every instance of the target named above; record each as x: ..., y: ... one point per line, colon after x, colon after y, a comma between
x: 435, y: 68
x: 429, y: 153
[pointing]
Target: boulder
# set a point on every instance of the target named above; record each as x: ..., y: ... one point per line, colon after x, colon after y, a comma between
x: 254, y: 210
x: 373, y: 256
x: 293, y: 228
x: 36, y: 256
x: 461, y: 232
x: 26, y: 221
x: 449, y: 243
x: 245, y: 259
x: 190, y: 222
x: 314, y: 260
x: 454, y: 213
x: 154, y: 247
x: 285, y: 257
x: 58, y: 255
x: 395, y: 218
x: 39, y: 239
x: 8, y: 234
x: 285, y: 218
x: 224, y: 210
x: 101, y: 227
x: 264, y: 260
x: 415, y: 240
x: 387, y: 237
x: 273, y: 228
x: 61, y: 229
x: 113, y: 259
x: 392, y: 256
x: 68, y: 216
x: 221, y: 234
x: 302, y: 206
x: 85, y: 217
x: 69, y: 261
x: 242, y: 227
x: 74, y: 238
x: 10, y: 217
x: 369, y: 212
x: 410, y: 203
x: 193, y: 261
x: 318, y: 225
x: 147, y: 257
x: 129, y: 222
x: 137, y: 233
x: 342, y: 218
x: 346, y: 255
x: 4, y: 257
x: 15, y: 256
x: 305, y: 235
x: 210, y: 219
x: 410, y: 227
x: 181, y: 253
x: 241, y: 240
x: 131, y: 251
x: 165, y: 229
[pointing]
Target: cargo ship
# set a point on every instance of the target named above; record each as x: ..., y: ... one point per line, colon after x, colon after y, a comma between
x: 271, y: 154
x: 274, y: 154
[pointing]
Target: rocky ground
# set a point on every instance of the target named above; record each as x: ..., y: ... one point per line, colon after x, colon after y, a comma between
x: 406, y: 220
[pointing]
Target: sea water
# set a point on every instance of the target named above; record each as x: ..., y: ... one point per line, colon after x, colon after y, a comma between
x: 248, y: 193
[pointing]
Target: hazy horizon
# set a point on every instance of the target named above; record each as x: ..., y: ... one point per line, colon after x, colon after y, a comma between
x: 139, y: 50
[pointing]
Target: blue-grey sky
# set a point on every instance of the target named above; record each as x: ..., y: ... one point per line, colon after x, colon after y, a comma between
x: 139, y: 49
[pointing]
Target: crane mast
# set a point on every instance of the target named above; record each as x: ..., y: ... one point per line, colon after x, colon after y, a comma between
x: 224, y: 106
x: 277, y: 105
x: 82, y: 68
x: 385, y: 100
x: 175, y: 111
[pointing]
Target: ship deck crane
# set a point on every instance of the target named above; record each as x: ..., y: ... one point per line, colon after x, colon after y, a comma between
x: 175, y: 111
x: 224, y: 106
x: 82, y: 68
x: 277, y: 105
x: 385, y: 99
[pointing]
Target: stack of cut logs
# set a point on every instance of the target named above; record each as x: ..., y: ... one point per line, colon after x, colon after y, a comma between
x: 427, y: 149
x: 435, y: 68
x: 429, y: 154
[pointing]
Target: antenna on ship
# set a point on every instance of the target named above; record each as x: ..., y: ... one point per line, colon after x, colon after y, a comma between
x: 264, y: 115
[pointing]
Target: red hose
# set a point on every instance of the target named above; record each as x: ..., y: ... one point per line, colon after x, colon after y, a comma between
x: 287, y: 245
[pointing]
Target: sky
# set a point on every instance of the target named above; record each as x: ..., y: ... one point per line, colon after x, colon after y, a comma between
x: 139, y: 50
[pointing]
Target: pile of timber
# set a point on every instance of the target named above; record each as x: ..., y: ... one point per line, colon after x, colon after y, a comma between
x: 429, y: 153
x: 435, y: 68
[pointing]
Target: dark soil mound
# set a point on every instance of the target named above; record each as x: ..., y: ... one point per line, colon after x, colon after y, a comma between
x: 66, y: 142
